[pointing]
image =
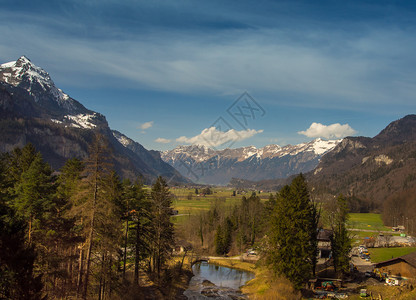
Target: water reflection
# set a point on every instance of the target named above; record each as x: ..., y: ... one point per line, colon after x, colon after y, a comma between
x: 216, y: 282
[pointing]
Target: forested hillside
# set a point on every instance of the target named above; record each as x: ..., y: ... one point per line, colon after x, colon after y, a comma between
x: 80, y: 232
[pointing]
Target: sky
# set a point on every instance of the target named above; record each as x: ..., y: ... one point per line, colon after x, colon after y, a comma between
x: 224, y: 73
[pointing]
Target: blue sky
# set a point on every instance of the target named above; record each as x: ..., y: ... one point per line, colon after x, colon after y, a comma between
x: 165, y: 72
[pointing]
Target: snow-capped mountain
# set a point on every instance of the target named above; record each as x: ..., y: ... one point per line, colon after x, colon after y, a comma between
x: 33, y: 109
x: 23, y: 74
x: 205, y: 165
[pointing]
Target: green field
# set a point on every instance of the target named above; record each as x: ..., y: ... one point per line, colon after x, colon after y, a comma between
x: 198, y: 203
x: 366, y: 225
x: 382, y: 254
x: 367, y: 221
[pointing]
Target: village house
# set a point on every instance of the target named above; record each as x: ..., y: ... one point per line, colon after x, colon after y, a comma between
x: 182, y: 246
x: 324, y: 243
x: 403, y: 266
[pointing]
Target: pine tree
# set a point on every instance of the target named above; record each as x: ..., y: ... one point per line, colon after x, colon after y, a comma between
x: 17, y: 278
x: 340, y: 241
x: 219, y: 241
x: 108, y: 235
x: 137, y: 207
x: 19, y: 161
x: 64, y: 232
x: 91, y: 201
x: 293, y: 246
x: 163, y: 240
x: 33, y: 193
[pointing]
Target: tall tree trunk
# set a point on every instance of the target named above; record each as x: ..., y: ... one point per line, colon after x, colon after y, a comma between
x: 137, y: 253
x: 30, y: 230
x: 125, y: 248
x: 102, y: 274
x: 70, y: 265
x: 80, y: 270
x: 90, y: 237
x: 110, y: 287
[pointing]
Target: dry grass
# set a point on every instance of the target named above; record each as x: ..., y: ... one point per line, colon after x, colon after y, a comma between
x: 265, y: 285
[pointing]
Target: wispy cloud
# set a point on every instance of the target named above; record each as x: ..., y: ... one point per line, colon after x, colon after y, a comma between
x: 212, y: 137
x: 146, y: 125
x: 373, y: 67
x: 336, y: 130
x: 162, y: 140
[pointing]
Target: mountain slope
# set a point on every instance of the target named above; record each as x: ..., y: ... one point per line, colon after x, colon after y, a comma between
x: 370, y: 169
x: 205, y: 165
x: 33, y: 109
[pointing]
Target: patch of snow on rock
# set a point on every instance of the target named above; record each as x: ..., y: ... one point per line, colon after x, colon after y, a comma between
x: 82, y: 120
x: 122, y: 140
x: 320, y: 146
x: 383, y: 159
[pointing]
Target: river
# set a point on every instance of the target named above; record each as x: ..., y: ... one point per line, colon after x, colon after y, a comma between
x: 215, y: 282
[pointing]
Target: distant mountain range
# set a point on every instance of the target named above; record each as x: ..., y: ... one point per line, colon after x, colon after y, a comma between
x: 366, y: 170
x: 205, y: 165
x: 33, y: 109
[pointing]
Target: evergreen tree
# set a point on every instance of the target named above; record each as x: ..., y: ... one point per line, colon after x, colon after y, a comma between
x: 138, y: 215
x: 19, y: 161
x: 17, y: 278
x: 293, y: 246
x: 108, y: 236
x: 340, y: 241
x: 91, y: 202
x: 219, y: 241
x: 33, y: 193
x: 163, y: 241
x: 64, y: 231
x: 223, y: 237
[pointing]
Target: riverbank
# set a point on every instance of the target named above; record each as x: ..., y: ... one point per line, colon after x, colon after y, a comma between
x: 264, y: 285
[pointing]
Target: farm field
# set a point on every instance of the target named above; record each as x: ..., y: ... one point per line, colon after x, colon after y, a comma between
x: 367, y: 221
x: 186, y: 201
x: 382, y: 254
x: 365, y: 225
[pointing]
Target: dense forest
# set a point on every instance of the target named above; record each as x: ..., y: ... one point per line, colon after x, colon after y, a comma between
x: 80, y: 232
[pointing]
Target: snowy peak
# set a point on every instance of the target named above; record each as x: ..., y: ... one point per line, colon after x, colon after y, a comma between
x: 23, y: 70
x: 49, y: 100
x: 320, y: 146
x: 205, y: 165
x: 23, y: 73
x: 196, y: 152
x: 202, y: 153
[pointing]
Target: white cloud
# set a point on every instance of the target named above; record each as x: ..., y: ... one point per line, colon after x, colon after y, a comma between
x: 211, y: 137
x: 146, y: 125
x: 162, y: 140
x: 328, y: 131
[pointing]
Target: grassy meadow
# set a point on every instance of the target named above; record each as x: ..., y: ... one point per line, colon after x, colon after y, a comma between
x: 364, y: 225
x: 367, y: 221
x: 188, y: 203
x: 382, y: 254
